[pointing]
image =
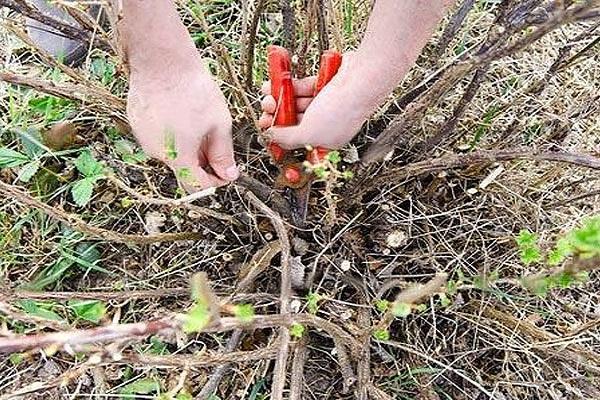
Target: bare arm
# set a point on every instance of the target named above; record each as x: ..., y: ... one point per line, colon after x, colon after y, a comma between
x: 176, y: 109
x: 396, y: 34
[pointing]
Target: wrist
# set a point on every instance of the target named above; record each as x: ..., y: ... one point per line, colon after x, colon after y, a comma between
x: 155, y: 40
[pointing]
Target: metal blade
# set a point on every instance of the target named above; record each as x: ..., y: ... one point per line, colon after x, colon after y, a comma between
x: 299, y: 203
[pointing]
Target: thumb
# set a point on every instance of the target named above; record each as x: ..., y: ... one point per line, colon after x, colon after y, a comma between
x: 219, y: 154
x: 292, y: 137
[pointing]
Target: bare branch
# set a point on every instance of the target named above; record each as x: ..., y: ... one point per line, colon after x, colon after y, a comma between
x: 76, y: 223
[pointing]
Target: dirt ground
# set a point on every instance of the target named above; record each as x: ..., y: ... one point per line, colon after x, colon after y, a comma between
x: 450, y: 210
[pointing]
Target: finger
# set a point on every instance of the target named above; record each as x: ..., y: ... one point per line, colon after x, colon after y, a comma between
x: 292, y: 137
x: 302, y: 103
x: 268, y: 104
x: 219, y: 154
x: 304, y: 87
x: 265, y: 121
x: 192, y: 177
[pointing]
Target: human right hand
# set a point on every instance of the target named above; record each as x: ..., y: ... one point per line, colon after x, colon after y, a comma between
x: 330, y: 120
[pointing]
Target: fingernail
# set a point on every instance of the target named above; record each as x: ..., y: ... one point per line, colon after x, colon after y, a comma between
x: 233, y: 172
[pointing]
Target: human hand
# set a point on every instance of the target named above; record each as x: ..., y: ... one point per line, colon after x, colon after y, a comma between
x: 330, y: 120
x: 181, y: 117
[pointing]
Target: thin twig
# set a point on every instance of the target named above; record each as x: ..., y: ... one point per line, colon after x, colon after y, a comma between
x: 279, y: 373
x: 391, y: 136
x: 250, y: 48
x: 70, y: 31
x: 95, y: 98
x: 411, y: 350
x: 75, y: 339
x: 454, y: 25
x: 412, y: 295
x: 76, y: 223
x: 297, y: 374
x: 227, y: 61
x: 452, y: 161
x: 211, y: 386
x: 182, y: 202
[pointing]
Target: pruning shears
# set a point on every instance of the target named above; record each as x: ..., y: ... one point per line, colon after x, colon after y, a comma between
x: 294, y: 176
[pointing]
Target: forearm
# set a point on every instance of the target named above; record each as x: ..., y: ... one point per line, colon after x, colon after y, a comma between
x: 396, y: 34
x: 154, y: 38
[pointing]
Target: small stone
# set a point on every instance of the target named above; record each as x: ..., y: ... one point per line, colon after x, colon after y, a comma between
x: 295, y: 305
x: 297, y: 272
x: 396, y: 239
x: 154, y: 221
x: 472, y: 191
x: 346, y: 265
x: 300, y: 246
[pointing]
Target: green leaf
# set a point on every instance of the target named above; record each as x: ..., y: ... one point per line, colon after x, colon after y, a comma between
x: 16, y: 358
x: 312, y: 302
x: 88, y: 310
x: 39, y: 309
x: 158, y: 347
x: 184, y: 395
x: 128, y: 152
x: 170, y: 146
x: 297, y: 330
x: 347, y: 175
x: 244, y: 312
x: 531, y: 255
x: 444, y: 300
x: 526, y: 239
x: 528, y: 247
x: 452, y: 287
x: 382, y: 305
x: 401, y: 310
x: 334, y: 157
x: 196, y: 319
x: 562, y: 250
x: 320, y: 172
x: 82, y: 191
x: 10, y: 158
x: 88, y: 166
x: 586, y: 240
x: 28, y: 171
x: 141, y: 386
x: 381, y: 334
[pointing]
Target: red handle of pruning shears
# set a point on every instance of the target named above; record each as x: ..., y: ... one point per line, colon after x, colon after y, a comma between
x: 330, y: 64
x: 282, y: 89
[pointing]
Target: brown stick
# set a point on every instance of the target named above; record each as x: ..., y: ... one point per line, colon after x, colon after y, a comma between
x: 454, y: 25
x: 279, y: 373
x: 391, y: 136
x: 266, y: 194
x: 110, y: 333
x: 228, y: 63
x: 213, y: 382
x: 412, y: 295
x: 289, y: 25
x: 96, y: 99
x: 197, y: 361
x: 478, y: 157
x: 170, y: 202
x: 76, y: 338
x: 73, y: 32
x: 76, y: 223
x: 251, y: 46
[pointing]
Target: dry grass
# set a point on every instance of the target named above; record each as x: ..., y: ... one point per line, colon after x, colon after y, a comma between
x: 502, y: 342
